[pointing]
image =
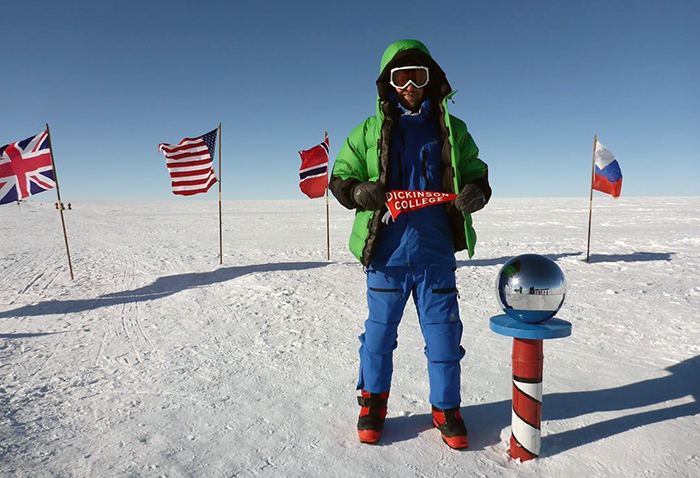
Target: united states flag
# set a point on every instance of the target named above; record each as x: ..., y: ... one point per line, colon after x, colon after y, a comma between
x: 190, y: 164
x: 25, y: 168
x: 313, y: 173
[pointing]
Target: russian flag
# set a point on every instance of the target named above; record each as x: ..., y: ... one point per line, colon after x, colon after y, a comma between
x: 607, y: 177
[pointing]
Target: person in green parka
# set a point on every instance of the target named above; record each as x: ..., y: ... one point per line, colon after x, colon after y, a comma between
x: 411, y: 144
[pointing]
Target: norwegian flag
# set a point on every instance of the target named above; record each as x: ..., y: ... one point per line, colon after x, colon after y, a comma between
x: 25, y: 168
x: 190, y: 164
x: 313, y: 174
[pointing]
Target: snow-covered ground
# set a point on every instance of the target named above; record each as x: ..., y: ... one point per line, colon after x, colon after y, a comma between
x: 158, y: 362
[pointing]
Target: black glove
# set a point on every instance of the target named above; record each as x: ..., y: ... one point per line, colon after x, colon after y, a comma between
x: 369, y: 196
x: 470, y: 199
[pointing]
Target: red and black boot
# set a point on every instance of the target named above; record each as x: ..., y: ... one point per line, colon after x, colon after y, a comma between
x: 452, y: 427
x: 372, y: 415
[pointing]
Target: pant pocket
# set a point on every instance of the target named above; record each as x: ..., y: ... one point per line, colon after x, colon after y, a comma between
x: 445, y: 290
x: 379, y: 289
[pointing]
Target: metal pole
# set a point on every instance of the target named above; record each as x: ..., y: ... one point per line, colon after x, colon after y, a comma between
x: 60, y: 204
x: 221, y: 233
x: 328, y: 232
x: 590, y: 203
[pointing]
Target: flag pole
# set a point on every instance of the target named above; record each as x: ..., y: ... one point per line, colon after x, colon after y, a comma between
x: 60, y: 204
x: 328, y: 227
x: 221, y: 234
x: 328, y: 232
x: 590, y: 203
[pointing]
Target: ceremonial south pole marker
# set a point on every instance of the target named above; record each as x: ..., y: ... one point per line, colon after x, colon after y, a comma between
x: 531, y: 290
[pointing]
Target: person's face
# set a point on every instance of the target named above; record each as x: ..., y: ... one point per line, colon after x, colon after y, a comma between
x: 411, y: 97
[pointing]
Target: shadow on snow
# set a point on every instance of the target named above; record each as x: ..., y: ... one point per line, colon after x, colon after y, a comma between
x: 27, y: 335
x: 162, y: 287
x: 502, y: 260
x: 488, y: 420
x: 634, y: 257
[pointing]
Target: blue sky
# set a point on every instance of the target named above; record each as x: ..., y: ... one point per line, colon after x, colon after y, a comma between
x: 536, y: 81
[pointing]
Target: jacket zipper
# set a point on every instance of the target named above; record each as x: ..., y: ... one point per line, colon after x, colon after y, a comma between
x: 425, y: 168
x: 403, y: 171
x: 446, y: 114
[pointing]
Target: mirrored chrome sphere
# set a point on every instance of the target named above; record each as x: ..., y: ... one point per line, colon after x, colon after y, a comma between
x: 530, y: 288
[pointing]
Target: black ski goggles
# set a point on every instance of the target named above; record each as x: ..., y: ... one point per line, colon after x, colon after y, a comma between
x: 401, y: 77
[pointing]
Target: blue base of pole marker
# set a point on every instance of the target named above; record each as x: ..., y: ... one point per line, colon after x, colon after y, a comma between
x: 549, y: 329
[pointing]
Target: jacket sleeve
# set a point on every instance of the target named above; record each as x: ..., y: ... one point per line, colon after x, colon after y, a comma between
x: 472, y: 169
x: 350, y: 168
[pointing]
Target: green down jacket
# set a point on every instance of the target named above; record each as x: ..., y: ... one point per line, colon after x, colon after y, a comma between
x: 365, y: 154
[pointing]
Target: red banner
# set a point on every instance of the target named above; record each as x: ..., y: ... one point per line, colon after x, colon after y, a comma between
x: 403, y: 201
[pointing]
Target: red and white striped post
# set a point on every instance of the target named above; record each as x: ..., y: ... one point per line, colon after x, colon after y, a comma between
x: 530, y: 289
x: 527, y: 399
x: 528, y: 363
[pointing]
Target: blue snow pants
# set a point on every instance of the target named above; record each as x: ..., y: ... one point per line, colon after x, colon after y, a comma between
x: 435, y: 296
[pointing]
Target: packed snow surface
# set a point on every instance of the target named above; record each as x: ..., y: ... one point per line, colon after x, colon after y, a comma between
x: 156, y: 361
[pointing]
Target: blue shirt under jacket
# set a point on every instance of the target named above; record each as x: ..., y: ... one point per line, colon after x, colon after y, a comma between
x: 422, y: 237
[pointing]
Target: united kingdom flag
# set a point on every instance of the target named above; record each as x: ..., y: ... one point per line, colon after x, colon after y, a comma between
x: 25, y: 168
